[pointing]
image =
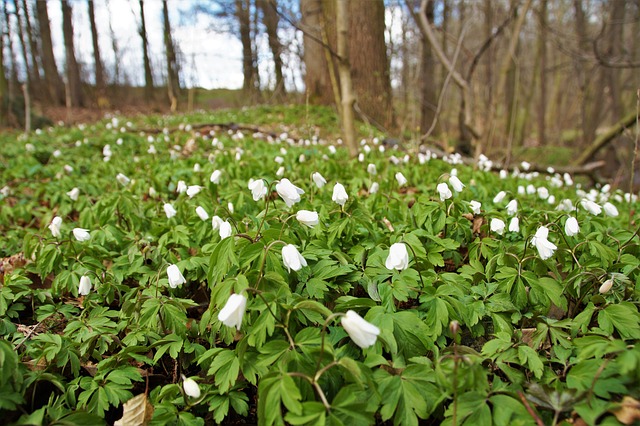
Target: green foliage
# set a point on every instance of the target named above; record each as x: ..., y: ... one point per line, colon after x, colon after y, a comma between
x: 476, y: 324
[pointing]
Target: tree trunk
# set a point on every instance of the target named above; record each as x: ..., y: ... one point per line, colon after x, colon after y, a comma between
x: 346, y: 84
x: 429, y: 101
x: 615, y: 47
x: 369, y: 63
x: 148, y: 75
x: 542, y: 45
x: 3, y: 83
x: 98, y: 66
x: 243, y: 13
x: 173, y: 79
x: 114, y: 47
x: 34, y: 49
x: 52, y: 80
x: 23, y: 48
x: 74, y: 85
x: 271, y: 20
x: 316, y: 79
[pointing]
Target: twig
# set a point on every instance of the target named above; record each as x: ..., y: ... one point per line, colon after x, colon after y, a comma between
x: 533, y: 414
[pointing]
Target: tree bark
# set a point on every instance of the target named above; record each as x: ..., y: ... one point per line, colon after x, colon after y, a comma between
x: 34, y: 49
x: 346, y: 85
x: 271, y: 21
x: 173, y: 78
x: 429, y: 101
x: 148, y: 75
x: 243, y: 14
x: 542, y: 45
x: 3, y: 83
x: 605, y: 138
x: 316, y: 78
x: 369, y: 63
x: 52, y: 80
x: 74, y: 84
x: 97, y: 60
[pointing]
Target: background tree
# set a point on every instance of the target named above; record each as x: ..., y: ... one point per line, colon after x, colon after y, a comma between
x: 173, y: 71
x: 249, y: 67
x: 99, y: 74
x: 3, y: 82
x: 52, y: 80
x: 75, y: 97
x: 271, y: 20
x: 148, y: 75
x: 34, y: 48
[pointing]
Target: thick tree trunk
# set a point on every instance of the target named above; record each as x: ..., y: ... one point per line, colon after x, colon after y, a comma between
x: 173, y: 78
x: 34, y: 49
x: 271, y: 21
x: 97, y: 60
x: 148, y: 75
x: 316, y: 79
x: 429, y: 101
x: 243, y: 13
x: 74, y: 85
x: 346, y: 84
x: 52, y: 80
x: 369, y: 63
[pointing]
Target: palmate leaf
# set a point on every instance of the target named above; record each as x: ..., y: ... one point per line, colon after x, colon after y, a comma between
x: 623, y: 317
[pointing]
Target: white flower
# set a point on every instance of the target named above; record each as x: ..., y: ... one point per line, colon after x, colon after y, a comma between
x: 475, y: 206
x: 288, y: 192
x: 340, y: 195
x: 233, y: 311
x: 591, y: 207
x: 544, y: 246
x: 362, y: 332
x: 152, y: 150
x: 215, y: 177
x: 81, y: 234
x: 512, y: 207
x: 444, y: 191
x: 307, y: 218
x: 258, y: 189
x: 374, y: 188
x: 182, y: 187
x: 68, y: 168
x: 499, y: 197
x: 123, y: 179
x: 497, y: 226
x: 398, y: 257
x: 152, y: 191
x: 175, y: 276
x: 503, y: 174
x: 202, y: 213
x: 169, y: 210
x: 332, y: 149
x: 525, y: 166
x: 190, y: 387
x: 571, y: 226
x: 606, y: 286
x: 319, y: 180
x: 73, y: 194
x: 292, y: 258
x: 216, y: 221
x: 531, y: 189
x: 610, y: 210
x: 279, y: 159
x: 361, y: 157
x: 84, y: 287
x: 280, y: 171
x: 225, y: 230
x: 402, y: 181
x: 230, y: 207
x: 371, y: 169
x: 197, y: 167
x: 54, y: 227
x: 456, y: 184
x: 543, y: 193
x: 514, y: 225
x: 193, y: 190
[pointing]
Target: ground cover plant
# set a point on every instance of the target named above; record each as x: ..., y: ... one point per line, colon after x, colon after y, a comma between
x: 162, y: 272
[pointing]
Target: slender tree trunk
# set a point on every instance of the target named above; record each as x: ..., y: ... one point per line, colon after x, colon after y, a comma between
x: 3, y: 83
x: 23, y: 48
x: 542, y: 46
x: 243, y: 13
x: 13, y: 71
x: 271, y: 21
x: 429, y: 102
x: 173, y: 79
x: 97, y: 60
x: 346, y: 85
x: 34, y: 48
x: 490, y: 55
x: 74, y: 84
x: 615, y: 47
x: 369, y: 62
x: 52, y: 80
x: 116, y: 50
x: 316, y: 78
x: 148, y: 75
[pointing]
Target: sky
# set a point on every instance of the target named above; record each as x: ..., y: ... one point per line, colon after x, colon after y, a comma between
x: 212, y: 57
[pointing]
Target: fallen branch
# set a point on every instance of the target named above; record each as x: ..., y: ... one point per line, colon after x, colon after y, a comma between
x: 605, y: 138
